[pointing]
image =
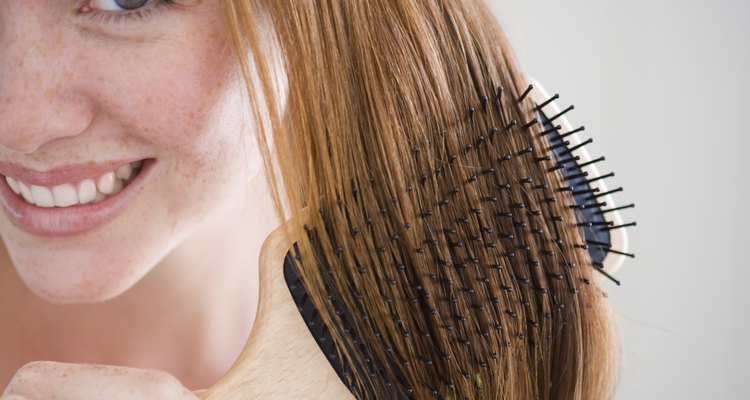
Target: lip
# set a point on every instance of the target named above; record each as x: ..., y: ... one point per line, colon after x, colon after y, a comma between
x: 64, y: 174
x: 74, y: 220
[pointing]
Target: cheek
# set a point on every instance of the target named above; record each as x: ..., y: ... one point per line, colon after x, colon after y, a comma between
x: 167, y: 98
x: 185, y: 104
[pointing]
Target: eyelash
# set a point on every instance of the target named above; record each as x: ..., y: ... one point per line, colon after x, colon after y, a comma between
x: 114, y: 17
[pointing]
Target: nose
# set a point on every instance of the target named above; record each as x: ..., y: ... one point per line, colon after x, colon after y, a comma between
x: 39, y: 102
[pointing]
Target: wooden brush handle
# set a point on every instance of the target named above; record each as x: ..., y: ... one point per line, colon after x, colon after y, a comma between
x: 281, y: 360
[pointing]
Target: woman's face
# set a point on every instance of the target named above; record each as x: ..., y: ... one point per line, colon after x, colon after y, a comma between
x: 88, y: 92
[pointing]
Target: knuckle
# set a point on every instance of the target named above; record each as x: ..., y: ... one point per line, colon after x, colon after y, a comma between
x: 164, y: 385
x: 29, y: 376
x: 28, y: 371
x: 34, y: 366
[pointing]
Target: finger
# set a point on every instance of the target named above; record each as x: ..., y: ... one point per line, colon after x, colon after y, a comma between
x: 14, y: 397
x: 45, y: 380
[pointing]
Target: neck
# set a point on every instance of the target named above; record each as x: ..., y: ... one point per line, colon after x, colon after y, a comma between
x: 281, y: 360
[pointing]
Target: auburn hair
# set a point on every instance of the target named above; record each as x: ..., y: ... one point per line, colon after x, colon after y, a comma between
x: 378, y: 93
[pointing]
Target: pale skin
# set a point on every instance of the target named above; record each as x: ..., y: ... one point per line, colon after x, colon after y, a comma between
x: 168, y: 288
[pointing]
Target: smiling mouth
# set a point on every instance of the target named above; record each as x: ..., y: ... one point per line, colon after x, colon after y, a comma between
x: 89, y: 190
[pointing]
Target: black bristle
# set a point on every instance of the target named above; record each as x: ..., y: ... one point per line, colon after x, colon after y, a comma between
x: 550, y: 100
x: 591, y: 205
x: 561, y: 144
x: 550, y: 130
x: 530, y: 123
x: 609, y: 228
x: 591, y: 162
x: 563, y: 136
x: 603, y: 272
x: 511, y: 124
x: 619, y: 189
x: 506, y: 157
x: 576, y: 147
x: 615, y: 209
x: 561, y: 113
x: 493, y: 131
x: 570, y: 160
x: 555, y: 168
x: 609, y: 175
x: 506, y: 214
x: 631, y: 255
x: 576, y: 176
x: 525, y: 93
x: 525, y: 151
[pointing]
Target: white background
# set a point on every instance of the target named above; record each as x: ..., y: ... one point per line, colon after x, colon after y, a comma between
x: 662, y: 86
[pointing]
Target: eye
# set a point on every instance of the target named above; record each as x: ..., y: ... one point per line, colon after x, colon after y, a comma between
x: 117, y: 5
x: 112, y: 11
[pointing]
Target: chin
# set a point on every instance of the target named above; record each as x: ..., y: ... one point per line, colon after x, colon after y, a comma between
x: 75, y: 292
x: 62, y: 273
x: 71, y: 283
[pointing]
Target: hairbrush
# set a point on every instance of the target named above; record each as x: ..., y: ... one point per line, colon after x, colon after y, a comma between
x: 598, y: 217
x: 475, y: 278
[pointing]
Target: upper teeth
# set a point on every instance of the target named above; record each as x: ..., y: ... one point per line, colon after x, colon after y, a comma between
x: 70, y: 194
